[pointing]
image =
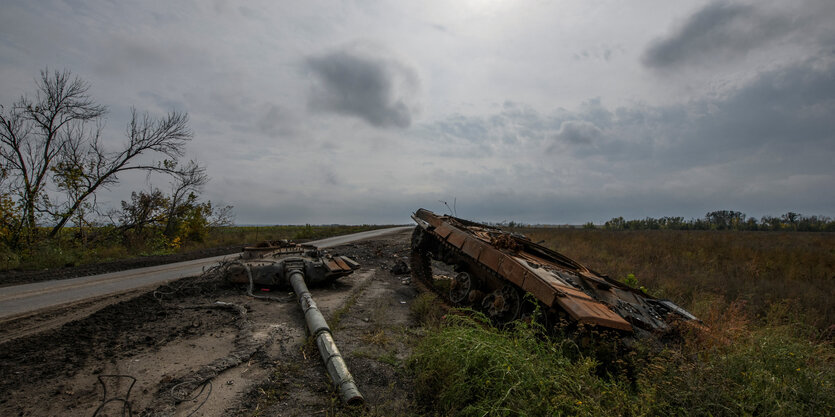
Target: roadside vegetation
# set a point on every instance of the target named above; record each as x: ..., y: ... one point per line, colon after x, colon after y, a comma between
x: 109, y: 244
x: 766, y: 298
x: 56, y: 157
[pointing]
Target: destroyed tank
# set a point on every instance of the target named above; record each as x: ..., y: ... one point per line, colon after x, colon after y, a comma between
x: 265, y: 265
x: 493, y: 269
x: 283, y: 264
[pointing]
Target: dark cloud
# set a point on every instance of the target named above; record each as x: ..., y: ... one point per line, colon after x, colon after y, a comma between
x: 781, y: 114
x: 378, y: 89
x: 778, y: 116
x: 718, y: 31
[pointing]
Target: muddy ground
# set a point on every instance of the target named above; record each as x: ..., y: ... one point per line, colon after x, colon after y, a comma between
x: 186, y: 354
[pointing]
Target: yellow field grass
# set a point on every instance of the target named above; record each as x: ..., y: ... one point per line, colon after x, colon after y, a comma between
x: 706, y: 270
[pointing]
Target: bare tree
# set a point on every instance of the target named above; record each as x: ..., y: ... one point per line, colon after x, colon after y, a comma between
x: 33, y: 132
x: 224, y: 216
x: 58, y: 133
x: 98, y: 168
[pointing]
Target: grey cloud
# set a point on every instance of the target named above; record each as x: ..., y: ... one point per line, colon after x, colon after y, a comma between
x: 163, y: 102
x: 249, y: 13
x: 278, y: 121
x: 579, y: 132
x: 472, y: 129
x: 601, y: 52
x: 514, y: 125
x: 369, y: 85
x: 122, y: 55
x: 718, y: 31
x: 776, y: 126
x: 779, y: 115
x: 789, y: 108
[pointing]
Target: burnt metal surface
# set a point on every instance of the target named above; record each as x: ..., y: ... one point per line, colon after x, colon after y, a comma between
x: 266, y: 263
x: 495, y: 268
x: 287, y: 264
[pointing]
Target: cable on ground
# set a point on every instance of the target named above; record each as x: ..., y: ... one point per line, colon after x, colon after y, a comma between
x: 126, y: 410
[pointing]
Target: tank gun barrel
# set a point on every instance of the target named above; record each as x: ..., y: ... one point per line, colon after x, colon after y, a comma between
x: 320, y: 330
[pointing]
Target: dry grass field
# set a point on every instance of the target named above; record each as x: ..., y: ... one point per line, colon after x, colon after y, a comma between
x: 766, y: 272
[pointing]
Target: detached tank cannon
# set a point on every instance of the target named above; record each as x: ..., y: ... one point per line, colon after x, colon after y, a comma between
x: 494, y: 269
x: 285, y: 264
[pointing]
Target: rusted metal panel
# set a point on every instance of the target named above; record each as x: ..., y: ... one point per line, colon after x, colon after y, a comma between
x: 429, y: 217
x: 443, y: 230
x: 512, y: 271
x: 592, y: 312
x: 491, y: 258
x: 472, y: 247
x: 351, y: 263
x: 344, y: 266
x: 540, y: 289
x: 332, y: 265
x: 575, y: 293
x: 456, y: 238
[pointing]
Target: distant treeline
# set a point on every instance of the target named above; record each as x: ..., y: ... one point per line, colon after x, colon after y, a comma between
x: 724, y: 220
x: 715, y: 220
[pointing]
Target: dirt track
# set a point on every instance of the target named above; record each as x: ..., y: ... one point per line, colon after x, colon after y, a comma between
x: 178, y: 343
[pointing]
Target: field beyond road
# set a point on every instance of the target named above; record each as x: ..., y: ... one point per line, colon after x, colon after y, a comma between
x: 705, y: 270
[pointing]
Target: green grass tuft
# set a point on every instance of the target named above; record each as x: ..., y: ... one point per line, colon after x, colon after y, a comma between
x: 467, y: 367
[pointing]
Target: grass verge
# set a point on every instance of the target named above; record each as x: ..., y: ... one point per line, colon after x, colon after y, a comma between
x: 466, y: 367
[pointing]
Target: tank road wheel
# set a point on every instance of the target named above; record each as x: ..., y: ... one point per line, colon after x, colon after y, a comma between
x: 503, y: 305
x: 460, y: 287
x: 419, y: 261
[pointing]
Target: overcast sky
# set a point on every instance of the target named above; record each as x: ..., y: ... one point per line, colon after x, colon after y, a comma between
x: 534, y: 111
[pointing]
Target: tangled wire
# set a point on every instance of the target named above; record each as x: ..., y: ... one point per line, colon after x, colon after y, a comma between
x: 180, y: 393
x: 206, y: 282
x: 210, y: 279
x: 125, y: 401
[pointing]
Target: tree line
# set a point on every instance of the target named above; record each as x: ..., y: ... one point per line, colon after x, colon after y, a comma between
x: 56, y: 157
x: 724, y: 220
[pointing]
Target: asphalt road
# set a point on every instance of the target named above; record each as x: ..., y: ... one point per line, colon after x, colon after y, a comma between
x: 22, y: 299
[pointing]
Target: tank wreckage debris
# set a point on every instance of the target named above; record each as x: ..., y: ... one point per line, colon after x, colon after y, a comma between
x: 284, y: 264
x: 494, y: 269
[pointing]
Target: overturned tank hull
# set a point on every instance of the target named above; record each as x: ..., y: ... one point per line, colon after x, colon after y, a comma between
x: 493, y: 269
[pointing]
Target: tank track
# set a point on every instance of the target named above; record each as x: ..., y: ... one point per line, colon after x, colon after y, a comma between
x: 473, y: 285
